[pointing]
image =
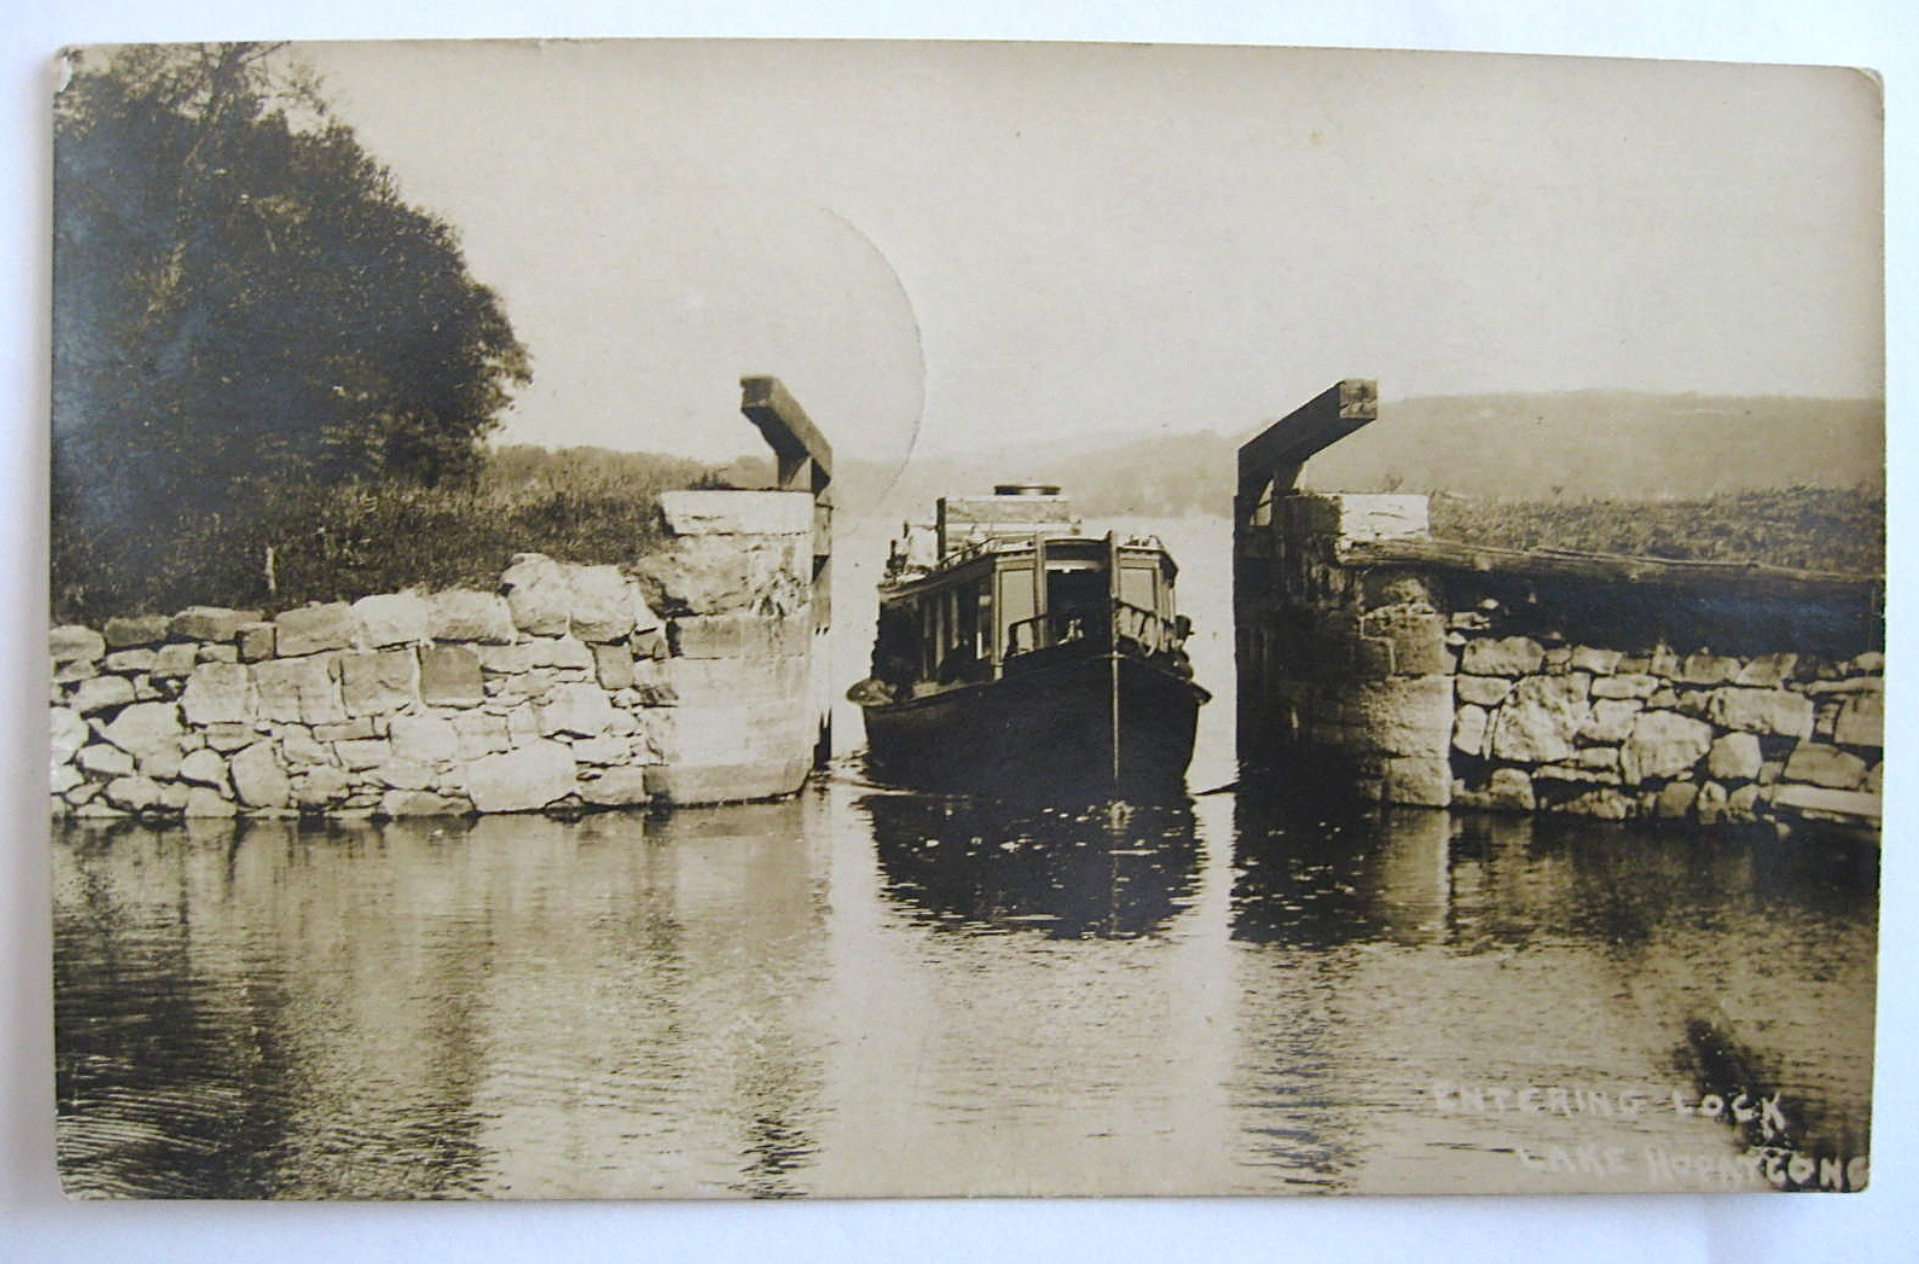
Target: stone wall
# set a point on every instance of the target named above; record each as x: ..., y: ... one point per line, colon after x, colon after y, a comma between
x: 1713, y: 738
x: 685, y: 679
x: 1345, y: 677
x: 1702, y: 696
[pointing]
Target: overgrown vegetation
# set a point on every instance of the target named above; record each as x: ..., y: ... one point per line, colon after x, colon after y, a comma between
x: 329, y: 543
x: 249, y: 322
x: 1805, y: 528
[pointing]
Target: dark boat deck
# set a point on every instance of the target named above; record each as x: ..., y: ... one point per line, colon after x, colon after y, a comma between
x: 1049, y: 728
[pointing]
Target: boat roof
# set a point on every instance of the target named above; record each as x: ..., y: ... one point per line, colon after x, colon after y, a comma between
x: 906, y: 571
x: 968, y: 528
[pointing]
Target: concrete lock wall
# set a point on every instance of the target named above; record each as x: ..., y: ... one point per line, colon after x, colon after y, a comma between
x: 687, y: 679
x: 1344, y: 674
x: 1422, y: 685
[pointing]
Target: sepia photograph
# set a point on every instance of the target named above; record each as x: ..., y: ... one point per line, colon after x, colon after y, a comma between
x: 755, y: 619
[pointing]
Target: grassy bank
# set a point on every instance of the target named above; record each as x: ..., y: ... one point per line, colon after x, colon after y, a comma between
x: 592, y: 505
x: 279, y: 547
x: 1806, y: 528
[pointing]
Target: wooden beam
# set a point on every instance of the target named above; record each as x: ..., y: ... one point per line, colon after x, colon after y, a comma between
x: 789, y: 432
x: 1279, y: 451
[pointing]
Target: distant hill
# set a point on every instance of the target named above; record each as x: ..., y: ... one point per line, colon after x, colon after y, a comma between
x: 1591, y: 444
x: 1579, y: 445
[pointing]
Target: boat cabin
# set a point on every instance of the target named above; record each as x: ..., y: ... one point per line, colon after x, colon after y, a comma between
x: 1004, y: 582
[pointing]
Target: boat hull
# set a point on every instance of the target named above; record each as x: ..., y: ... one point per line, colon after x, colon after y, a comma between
x: 1074, y: 729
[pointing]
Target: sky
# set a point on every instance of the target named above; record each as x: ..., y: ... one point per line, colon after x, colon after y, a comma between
x: 946, y: 247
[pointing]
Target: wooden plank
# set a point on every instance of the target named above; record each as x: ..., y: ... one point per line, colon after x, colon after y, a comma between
x: 1278, y: 452
x: 787, y: 429
x: 999, y: 516
x: 1817, y: 801
x: 995, y: 510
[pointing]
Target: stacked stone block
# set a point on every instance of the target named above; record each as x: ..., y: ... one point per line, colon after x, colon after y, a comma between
x: 1347, y: 674
x: 735, y: 579
x: 571, y: 687
x: 1710, y: 738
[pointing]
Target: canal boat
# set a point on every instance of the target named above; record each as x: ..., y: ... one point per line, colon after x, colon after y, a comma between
x: 1019, y: 655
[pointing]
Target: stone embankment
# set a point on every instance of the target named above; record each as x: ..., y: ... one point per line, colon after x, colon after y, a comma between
x: 1510, y: 685
x: 1705, y: 737
x: 686, y: 679
x: 1429, y: 672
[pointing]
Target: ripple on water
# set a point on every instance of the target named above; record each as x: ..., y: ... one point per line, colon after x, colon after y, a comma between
x: 865, y: 991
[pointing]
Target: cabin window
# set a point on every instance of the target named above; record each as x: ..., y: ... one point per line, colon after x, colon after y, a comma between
x: 1076, y: 604
x: 929, y: 638
x: 983, y: 619
x: 959, y: 654
x: 967, y: 599
x: 1137, y: 586
x: 897, y: 659
x: 1015, y: 606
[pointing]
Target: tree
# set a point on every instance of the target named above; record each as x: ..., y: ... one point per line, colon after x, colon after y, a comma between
x: 243, y: 302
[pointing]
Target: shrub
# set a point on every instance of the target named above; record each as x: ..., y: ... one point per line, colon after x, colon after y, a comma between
x: 337, y: 543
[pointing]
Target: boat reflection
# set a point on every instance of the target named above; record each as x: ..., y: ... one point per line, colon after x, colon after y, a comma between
x: 1318, y: 879
x: 1105, y: 871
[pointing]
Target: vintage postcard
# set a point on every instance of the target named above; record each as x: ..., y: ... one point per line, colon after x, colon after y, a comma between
x: 656, y: 619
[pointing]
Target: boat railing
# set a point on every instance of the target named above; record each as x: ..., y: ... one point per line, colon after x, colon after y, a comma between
x: 1150, y: 630
x: 1054, y: 628
x: 967, y: 550
x: 900, y: 565
x: 1003, y: 542
x: 1147, y: 629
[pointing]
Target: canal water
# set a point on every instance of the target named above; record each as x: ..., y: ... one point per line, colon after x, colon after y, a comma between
x: 865, y: 991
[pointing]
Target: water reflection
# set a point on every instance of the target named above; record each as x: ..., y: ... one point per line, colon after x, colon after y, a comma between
x: 426, y: 1010
x: 1311, y: 879
x: 202, y: 1063
x: 1105, y: 871
x: 880, y: 993
x: 1412, y: 973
